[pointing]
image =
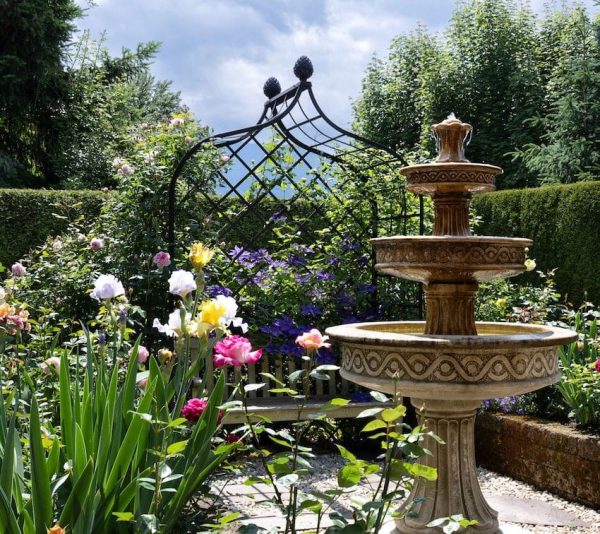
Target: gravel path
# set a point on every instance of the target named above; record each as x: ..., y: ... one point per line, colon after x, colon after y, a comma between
x: 235, y: 496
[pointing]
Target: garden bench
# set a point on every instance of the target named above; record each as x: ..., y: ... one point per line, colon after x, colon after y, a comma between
x: 278, y: 406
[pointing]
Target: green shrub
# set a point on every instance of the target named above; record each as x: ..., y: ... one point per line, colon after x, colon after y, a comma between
x: 563, y: 223
x: 29, y: 216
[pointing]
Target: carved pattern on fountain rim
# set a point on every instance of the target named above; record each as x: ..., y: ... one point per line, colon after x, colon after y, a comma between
x: 426, y: 176
x: 457, y: 253
x: 523, y: 364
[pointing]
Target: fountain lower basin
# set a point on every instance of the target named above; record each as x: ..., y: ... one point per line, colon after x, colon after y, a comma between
x: 503, y: 359
x: 447, y: 377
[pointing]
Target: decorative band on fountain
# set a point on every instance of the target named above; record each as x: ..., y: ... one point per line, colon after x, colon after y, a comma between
x: 450, y: 363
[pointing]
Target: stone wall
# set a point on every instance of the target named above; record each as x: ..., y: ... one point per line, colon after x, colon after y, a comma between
x: 548, y: 455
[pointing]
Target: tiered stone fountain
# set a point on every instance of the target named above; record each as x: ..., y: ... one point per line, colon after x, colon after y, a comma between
x: 449, y: 364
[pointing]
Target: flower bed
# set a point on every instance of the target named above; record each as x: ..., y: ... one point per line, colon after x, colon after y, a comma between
x: 548, y: 455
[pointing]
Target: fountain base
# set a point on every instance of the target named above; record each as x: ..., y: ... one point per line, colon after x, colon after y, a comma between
x: 456, y: 490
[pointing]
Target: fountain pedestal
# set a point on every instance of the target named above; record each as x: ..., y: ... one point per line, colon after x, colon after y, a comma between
x: 456, y: 490
x: 450, y: 363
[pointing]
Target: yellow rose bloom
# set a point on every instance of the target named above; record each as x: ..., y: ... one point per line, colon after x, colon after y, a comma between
x: 211, y: 312
x: 200, y: 255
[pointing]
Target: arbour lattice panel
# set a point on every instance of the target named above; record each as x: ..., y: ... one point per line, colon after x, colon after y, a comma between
x: 273, y: 169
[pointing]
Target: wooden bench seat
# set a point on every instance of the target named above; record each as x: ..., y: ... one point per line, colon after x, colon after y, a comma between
x: 279, y: 409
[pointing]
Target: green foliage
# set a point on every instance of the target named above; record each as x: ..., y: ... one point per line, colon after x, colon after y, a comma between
x: 33, y: 86
x: 398, y: 465
x: 131, y: 223
x: 577, y: 395
x: 109, y: 98
x: 114, y: 459
x: 107, y: 443
x: 396, y: 93
x: 31, y: 216
x: 528, y: 85
x: 580, y: 365
x: 569, y: 149
x: 67, y: 107
x: 562, y: 221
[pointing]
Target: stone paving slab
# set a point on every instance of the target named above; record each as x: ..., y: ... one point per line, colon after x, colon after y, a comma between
x: 510, y: 509
x: 532, y: 512
x: 505, y: 528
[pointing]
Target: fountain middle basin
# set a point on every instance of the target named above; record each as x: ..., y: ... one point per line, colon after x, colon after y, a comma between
x: 503, y: 359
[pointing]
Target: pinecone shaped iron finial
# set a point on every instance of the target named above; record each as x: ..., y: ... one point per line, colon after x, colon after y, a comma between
x: 271, y: 88
x: 303, y: 69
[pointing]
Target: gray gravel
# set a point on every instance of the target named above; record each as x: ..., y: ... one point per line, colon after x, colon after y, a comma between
x: 325, y: 473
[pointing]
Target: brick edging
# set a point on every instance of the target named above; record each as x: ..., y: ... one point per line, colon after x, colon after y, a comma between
x: 550, y: 456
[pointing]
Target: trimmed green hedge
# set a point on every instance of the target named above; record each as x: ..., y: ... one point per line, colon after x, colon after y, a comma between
x: 564, y: 223
x: 29, y: 216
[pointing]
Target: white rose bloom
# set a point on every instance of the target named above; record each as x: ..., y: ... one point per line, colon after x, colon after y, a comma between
x: 530, y: 265
x: 182, y: 283
x: 2, y: 295
x: 173, y: 326
x: 231, y: 308
x: 107, y: 287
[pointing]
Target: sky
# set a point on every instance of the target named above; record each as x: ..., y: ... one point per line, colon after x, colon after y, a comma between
x: 219, y: 53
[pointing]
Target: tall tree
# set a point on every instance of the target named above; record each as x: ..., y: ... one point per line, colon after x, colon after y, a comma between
x: 109, y: 97
x: 494, y: 81
x: 395, y: 97
x: 495, y: 67
x: 33, y: 84
x: 569, y: 150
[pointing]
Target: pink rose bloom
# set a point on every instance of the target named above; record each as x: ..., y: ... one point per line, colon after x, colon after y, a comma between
x: 313, y: 340
x: 96, y: 243
x: 236, y: 351
x: 162, y: 259
x: 143, y: 383
x: 176, y: 123
x: 192, y: 410
x: 224, y: 158
x: 597, y: 365
x: 18, y: 269
x: 53, y: 362
x: 143, y: 354
x: 187, y: 139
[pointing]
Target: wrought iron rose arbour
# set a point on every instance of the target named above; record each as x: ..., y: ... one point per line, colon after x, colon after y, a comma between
x: 293, y: 138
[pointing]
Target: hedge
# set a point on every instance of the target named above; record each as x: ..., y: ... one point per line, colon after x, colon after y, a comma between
x: 562, y: 220
x: 29, y: 216
x: 564, y: 223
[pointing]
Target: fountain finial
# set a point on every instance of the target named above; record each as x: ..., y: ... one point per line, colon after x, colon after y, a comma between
x: 450, y: 136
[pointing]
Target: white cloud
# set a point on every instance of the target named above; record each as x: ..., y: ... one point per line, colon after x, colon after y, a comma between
x: 219, y: 52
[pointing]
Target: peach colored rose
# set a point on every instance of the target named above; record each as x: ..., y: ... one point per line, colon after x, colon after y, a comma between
x: 313, y: 340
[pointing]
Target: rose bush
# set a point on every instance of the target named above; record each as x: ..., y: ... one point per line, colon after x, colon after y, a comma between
x: 107, y: 443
